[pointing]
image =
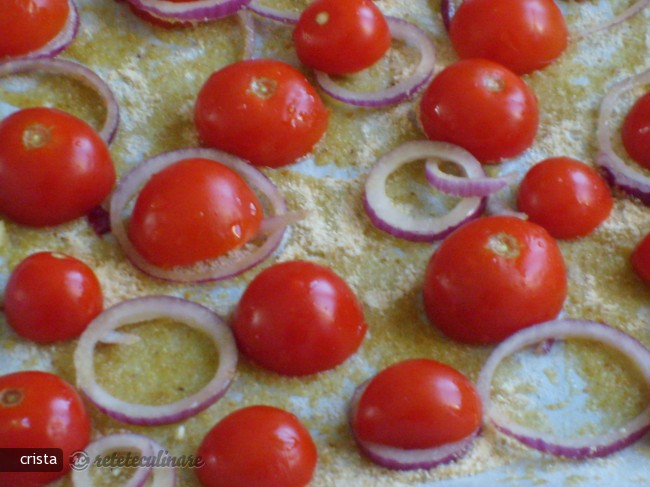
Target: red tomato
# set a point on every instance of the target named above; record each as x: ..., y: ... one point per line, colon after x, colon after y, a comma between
x: 257, y: 446
x: 568, y: 198
x: 40, y: 410
x: 298, y: 318
x: 523, y: 35
x: 341, y: 36
x: 155, y: 20
x: 29, y: 25
x: 172, y: 225
x: 51, y: 297
x: 636, y: 131
x: 53, y: 167
x: 641, y: 259
x: 481, y: 106
x: 262, y: 110
x: 417, y: 404
x: 492, y: 277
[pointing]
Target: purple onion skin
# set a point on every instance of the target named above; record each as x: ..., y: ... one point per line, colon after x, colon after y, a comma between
x: 447, y: 12
x: 575, y: 453
x: 632, y: 191
x: 99, y: 220
x: 161, y: 420
x: 418, y: 237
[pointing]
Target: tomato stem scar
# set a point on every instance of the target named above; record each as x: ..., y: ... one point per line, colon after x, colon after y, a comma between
x: 11, y: 397
x: 263, y: 87
x: 504, y: 245
x: 322, y: 18
x: 495, y: 84
x: 36, y: 136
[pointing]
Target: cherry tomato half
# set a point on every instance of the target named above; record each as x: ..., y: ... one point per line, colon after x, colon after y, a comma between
x: 641, y: 259
x: 481, y: 106
x: 257, y: 446
x: 568, y: 198
x: 40, y: 410
x: 298, y: 318
x: 341, y: 36
x: 492, y: 277
x: 262, y: 110
x: 636, y: 131
x: 28, y: 25
x: 51, y: 297
x: 53, y: 167
x: 417, y: 404
x: 523, y: 35
x: 172, y: 225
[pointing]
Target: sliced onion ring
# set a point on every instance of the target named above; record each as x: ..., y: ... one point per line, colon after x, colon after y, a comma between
x: 143, y: 309
x: 402, y: 459
x: 627, y: 14
x: 118, y: 442
x: 388, y: 217
x: 463, y: 186
x: 413, y: 36
x: 284, y: 16
x: 75, y: 71
x: 195, y: 11
x: 627, y: 177
x: 248, y: 26
x: 582, y: 447
x: 219, y: 269
x: 59, y: 42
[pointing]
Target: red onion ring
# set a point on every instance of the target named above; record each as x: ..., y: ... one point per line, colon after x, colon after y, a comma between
x: 413, y: 36
x: 59, y: 42
x: 75, y: 71
x: 402, y: 459
x: 248, y: 26
x: 633, y: 10
x: 587, y: 446
x: 284, y: 16
x: 118, y: 442
x: 627, y: 177
x: 387, y: 217
x: 448, y: 9
x: 462, y: 186
x: 196, y: 11
x: 221, y: 268
x: 142, y: 309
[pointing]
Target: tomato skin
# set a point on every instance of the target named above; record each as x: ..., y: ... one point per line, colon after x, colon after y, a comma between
x: 53, y: 167
x: 641, y: 259
x: 51, y: 297
x: 523, y: 35
x: 566, y: 197
x: 492, y: 277
x: 341, y: 36
x: 313, y: 325
x: 481, y: 106
x: 417, y: 404
x: 40, y: 410
x: 262, y: 110
x: 635, y: 132
x: 257, y: 446
x: 29, y: 25
x: 172, y: 226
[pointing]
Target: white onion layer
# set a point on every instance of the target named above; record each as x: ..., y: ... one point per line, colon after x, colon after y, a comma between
x: 386, y: 216
x: 217, y: 269
x: 140, y: 310
x: 196, y: 11
x: 405, y: 89
x: 402, y: 459
x: 75, y: 71
x: 81, y: 473
x: 628, y: 177
x: 284, y: 16
x: 579, y: 447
